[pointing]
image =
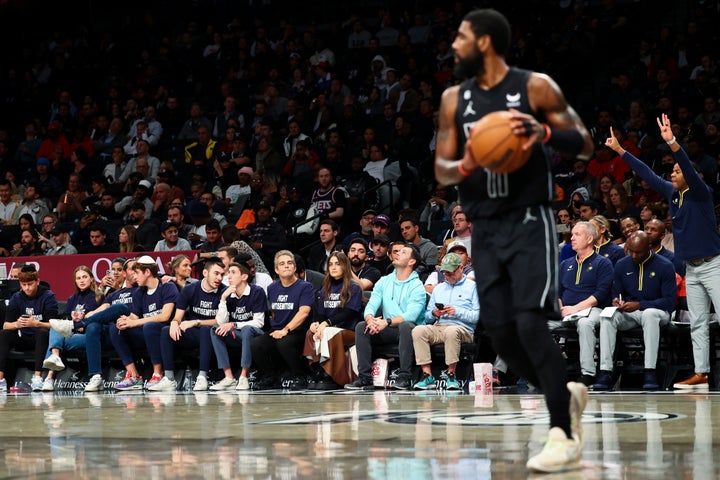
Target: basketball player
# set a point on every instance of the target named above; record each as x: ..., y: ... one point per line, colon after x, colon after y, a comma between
x: 513, y: 237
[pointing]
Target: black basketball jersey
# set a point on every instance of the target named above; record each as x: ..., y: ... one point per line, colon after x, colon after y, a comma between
x: 485, y: 194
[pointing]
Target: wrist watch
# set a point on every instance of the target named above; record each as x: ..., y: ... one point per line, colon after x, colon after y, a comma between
x: 389, y: 321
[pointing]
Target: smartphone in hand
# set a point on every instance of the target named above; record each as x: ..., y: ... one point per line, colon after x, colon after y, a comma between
x: 440, y: 306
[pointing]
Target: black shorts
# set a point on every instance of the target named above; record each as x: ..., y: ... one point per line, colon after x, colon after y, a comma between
x: 515, y: 257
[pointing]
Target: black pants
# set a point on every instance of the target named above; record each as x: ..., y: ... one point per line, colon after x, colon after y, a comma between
x: 37, y: 342
x: 272, y: 356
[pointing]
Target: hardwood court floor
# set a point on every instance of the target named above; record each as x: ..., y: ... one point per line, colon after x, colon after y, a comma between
x: 339, y: 435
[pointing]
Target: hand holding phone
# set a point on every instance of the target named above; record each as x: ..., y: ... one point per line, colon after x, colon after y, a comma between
x: 440, y: 306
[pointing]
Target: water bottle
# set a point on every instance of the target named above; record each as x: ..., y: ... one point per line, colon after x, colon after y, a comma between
x: 187, y: 383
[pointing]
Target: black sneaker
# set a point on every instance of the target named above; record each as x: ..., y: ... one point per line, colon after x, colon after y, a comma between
x: 360, y: 383
x: 265, y: 383
x: 322, y: 381
x: 402, y: 383
x: 298, y: 382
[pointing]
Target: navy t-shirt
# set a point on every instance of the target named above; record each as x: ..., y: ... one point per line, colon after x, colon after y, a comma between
x: 146, y: 305
x: 242, y: 309
x: 329, y: 307
x: 285, y: 302
x: 197, y: 303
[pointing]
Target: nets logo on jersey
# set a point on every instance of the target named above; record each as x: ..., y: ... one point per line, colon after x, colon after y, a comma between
x: 513, y: 99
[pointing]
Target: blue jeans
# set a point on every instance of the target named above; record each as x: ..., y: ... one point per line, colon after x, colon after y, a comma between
x: 191, y: 338
x: 237, y: 338
x: 96, y: 334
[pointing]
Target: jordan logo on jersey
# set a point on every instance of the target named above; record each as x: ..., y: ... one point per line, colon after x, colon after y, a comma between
x: 469, y: 110
x: 529, y: 217
x: 513, y: 100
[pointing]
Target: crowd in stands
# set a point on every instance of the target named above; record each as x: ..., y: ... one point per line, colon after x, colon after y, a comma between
x: 268, y: 134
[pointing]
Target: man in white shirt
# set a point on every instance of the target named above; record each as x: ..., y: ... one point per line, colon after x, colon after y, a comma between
x: 171, y: 240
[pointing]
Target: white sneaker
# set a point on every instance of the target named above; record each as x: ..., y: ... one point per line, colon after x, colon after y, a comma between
x: 227, y: 383
x: 63, y: 327
x: 200, y: 384
x: 48, y: 385
x: 36, y: 383
x: 54, y: 363
x: 164, y: 385
x: 578, y: 400
x: 559, y: 454
x: 95, y: 384
x: 243, y: 384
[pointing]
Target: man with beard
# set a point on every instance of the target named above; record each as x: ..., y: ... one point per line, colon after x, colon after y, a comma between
x: 366, y: 275
x: 511, y: 215
x: 28, y: 245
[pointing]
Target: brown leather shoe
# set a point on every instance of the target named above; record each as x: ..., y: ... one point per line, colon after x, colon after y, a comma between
x: 699, y: 381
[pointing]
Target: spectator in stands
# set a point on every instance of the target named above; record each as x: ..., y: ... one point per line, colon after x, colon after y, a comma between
x: 410, y: 231
x: 147, y: 231
x: 171, y: 240
x: 61, y: 237
x: 255, y: 277
x: 195, y: 311
x: 87, y: 297
x: 585, y: 283
x: 240, y: 318
x: 98, y: 241
x: 339, y: 307
x: 318, y: 255
x: 176, y: 216
x: 28, y: 247
x: 329, y: 199
x: 380, y: 259
x: 437, y: 277
x: 451, y: 316
x: 128, y: 241
x: 213, y: 240
x: 32, y: 204
x: 644, y: 292
x: 291, y: 302
x: 365, y: 232
x: 265, y: 235
x: 7, y: 204
x: 180, y: 269
x: 49, y: 185
x: 363, y: 272
x: 402, y: 299
x: 26, y: 324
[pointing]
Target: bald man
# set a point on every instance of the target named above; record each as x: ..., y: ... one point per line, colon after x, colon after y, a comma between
x: 644, y: 292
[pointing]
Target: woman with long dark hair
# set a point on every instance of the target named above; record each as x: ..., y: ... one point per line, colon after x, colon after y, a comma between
x: 339, y: 308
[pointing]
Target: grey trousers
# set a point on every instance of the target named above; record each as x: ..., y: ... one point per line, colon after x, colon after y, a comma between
x: 586, y: 338
x: 650, y: 319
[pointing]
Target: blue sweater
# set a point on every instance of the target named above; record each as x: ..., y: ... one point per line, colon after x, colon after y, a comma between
x: 611, y: 251
x: 693, y: 215
x: 463, y: 296
x: 652, y: 282
x: 580, y: 279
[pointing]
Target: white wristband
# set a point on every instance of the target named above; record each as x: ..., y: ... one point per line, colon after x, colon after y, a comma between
x: 671, y: 141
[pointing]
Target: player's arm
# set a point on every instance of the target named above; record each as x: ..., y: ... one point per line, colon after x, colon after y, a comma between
x: 564, y: 130
x: 446, y: 148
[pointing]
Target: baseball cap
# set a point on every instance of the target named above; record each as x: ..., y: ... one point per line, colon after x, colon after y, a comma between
x: 450, y: 262
x: 382, y: 238
x: 246, y: 171
x: 145, y: 183
x: 58, y: 229
x: 263, y: 204
x: 382, y: 218
x: 165, y: 225
x: 369, y: 211
x: 43, y: 161
x: 456, y: 244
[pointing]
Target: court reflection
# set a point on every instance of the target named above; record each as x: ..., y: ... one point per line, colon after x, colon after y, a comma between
x: 377, y: 435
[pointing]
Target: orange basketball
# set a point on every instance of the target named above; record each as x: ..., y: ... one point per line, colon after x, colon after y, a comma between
x: 495, y: 146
